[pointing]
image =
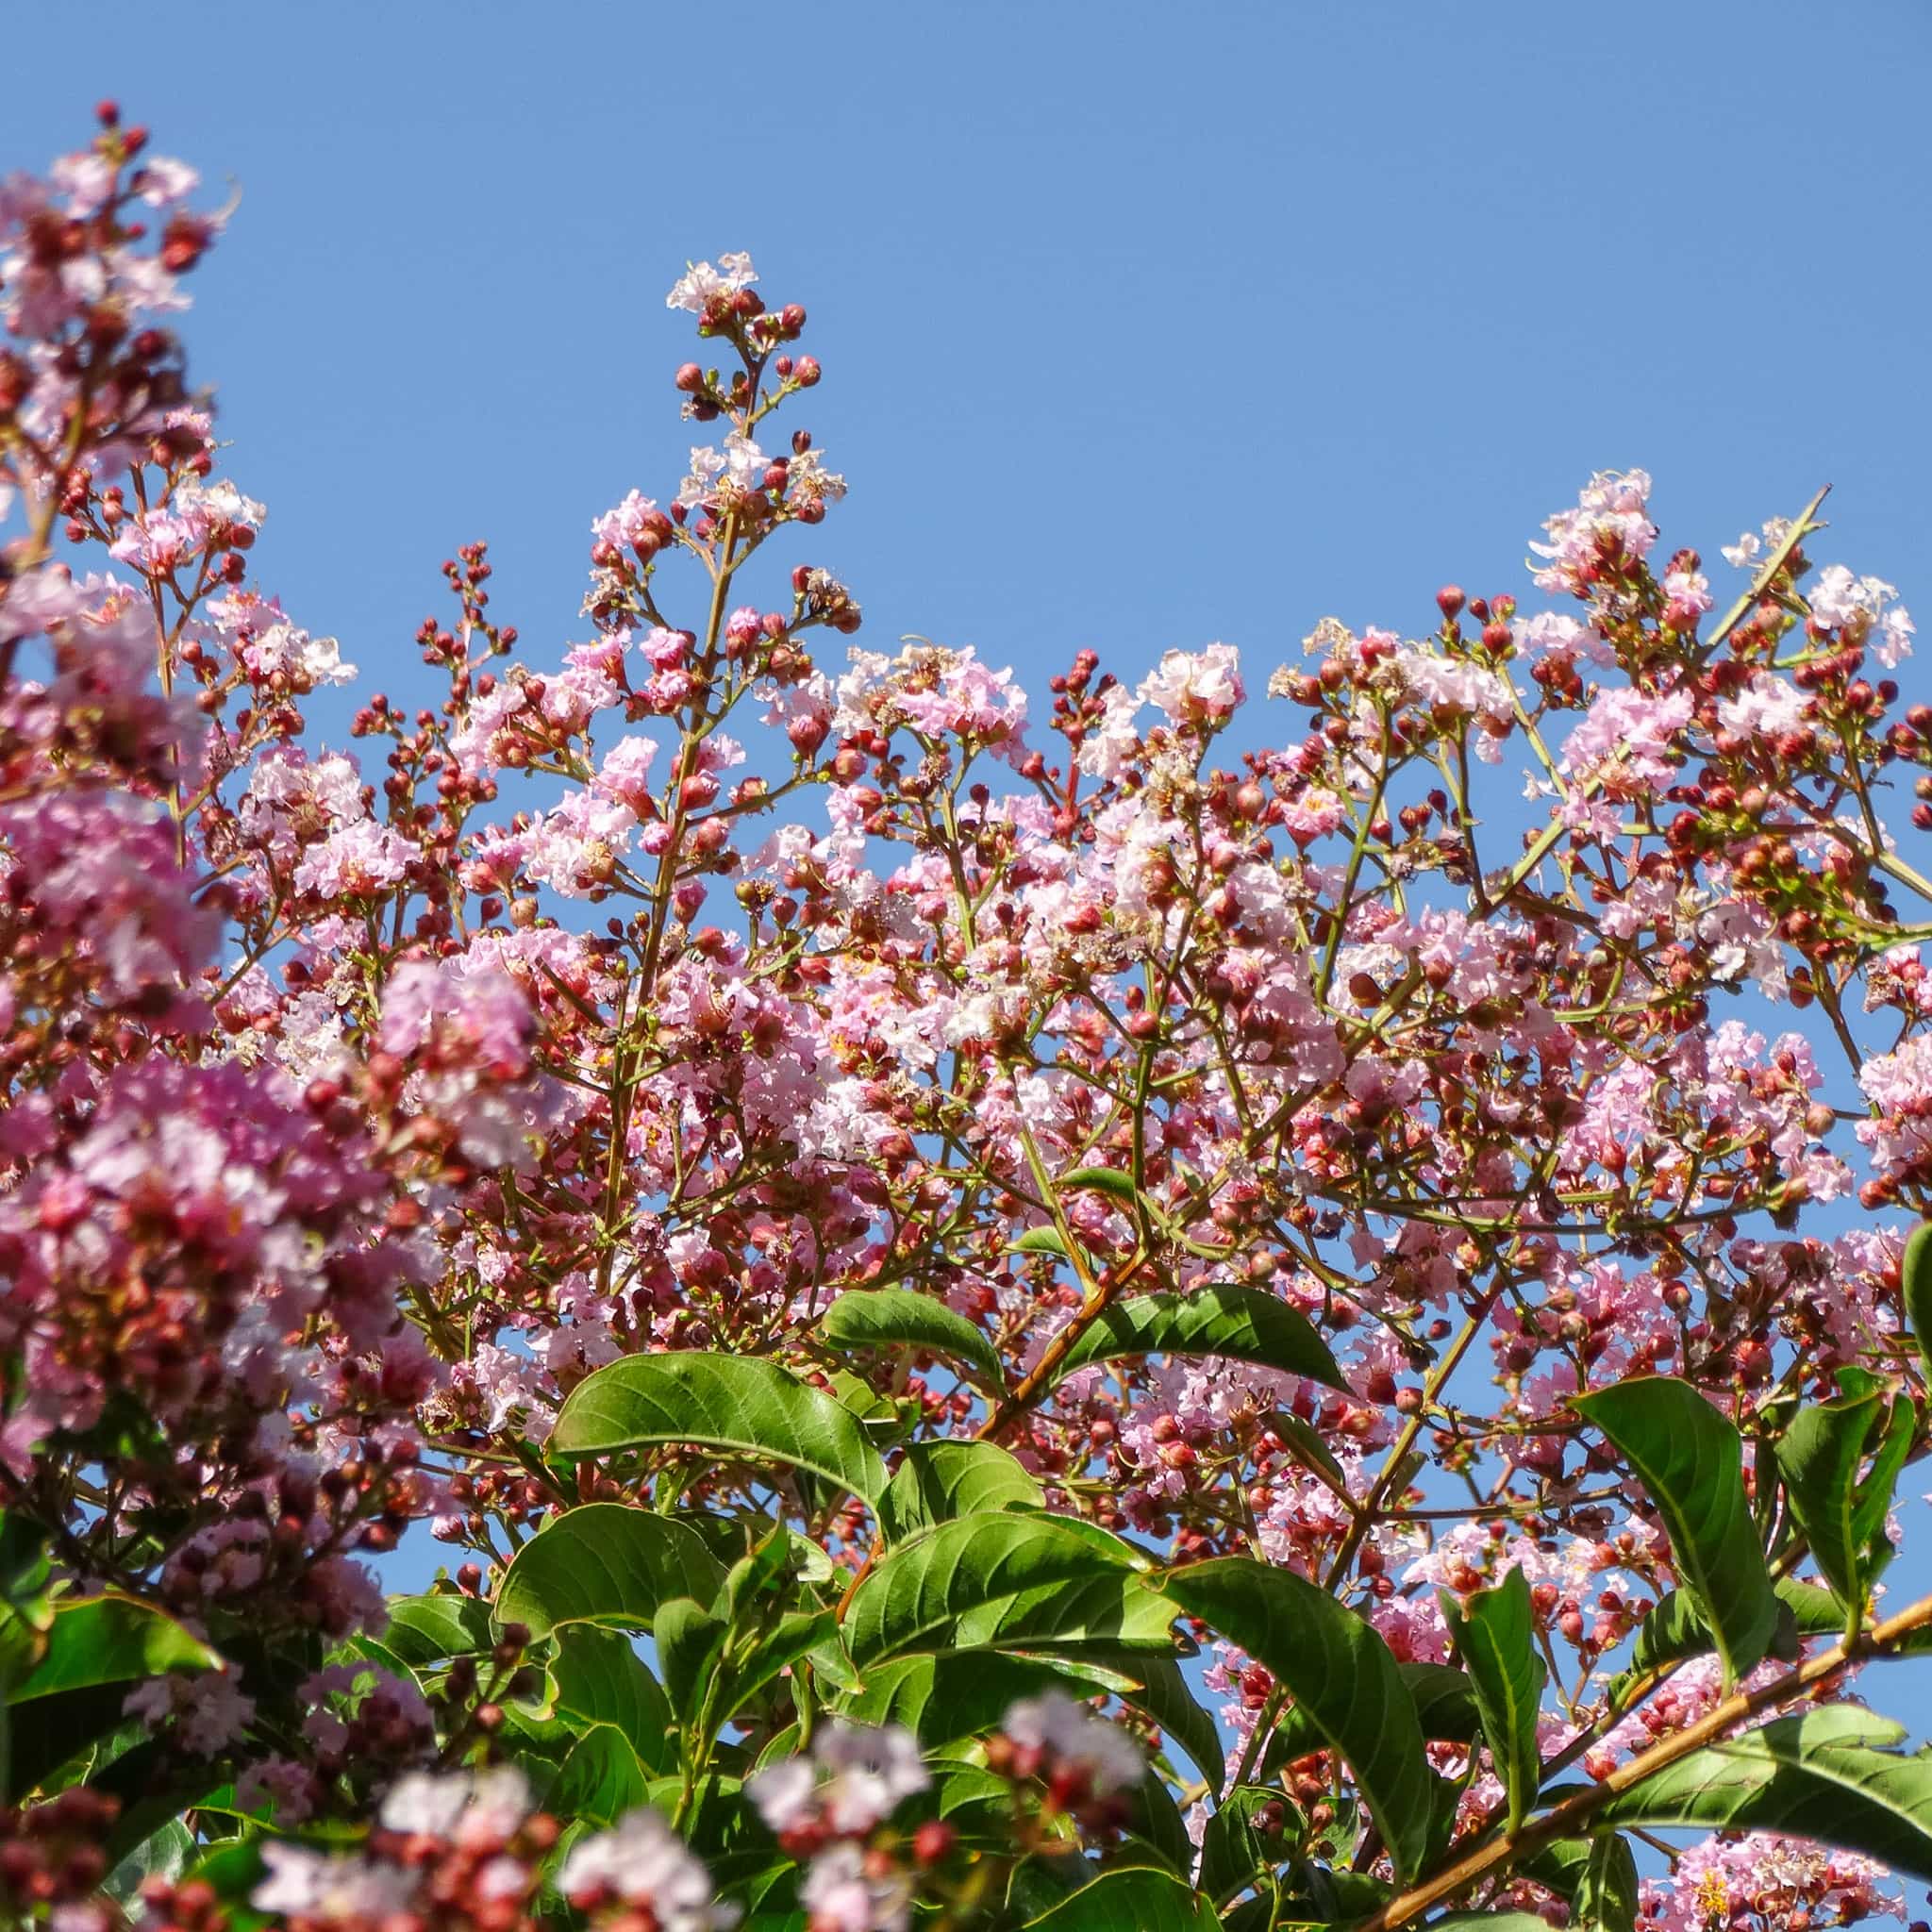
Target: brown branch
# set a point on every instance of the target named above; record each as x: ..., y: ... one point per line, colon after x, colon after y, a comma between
x: 1565, y: 1819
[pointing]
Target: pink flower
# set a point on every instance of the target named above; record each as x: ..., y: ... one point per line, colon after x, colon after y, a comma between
x: 1609, y: 528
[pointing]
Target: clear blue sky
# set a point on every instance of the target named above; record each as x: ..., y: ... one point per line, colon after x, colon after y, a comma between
x: 1143, y: 325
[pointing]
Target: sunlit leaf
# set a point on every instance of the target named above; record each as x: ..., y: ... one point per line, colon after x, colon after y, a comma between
x: 742, y: 1405
x: 1149, y: 1900
x: 1339, y: 1671
x: 1819, y: 1456
x: 1007, y: 1582
x: 1242, y: 1324
x: 935, y: 1482
x: 605, y: 1562
x: 1828, y: 1775
x: 109, y: 1639
x: 1495, y: 1632
x: 1690, y: 1460
x: 904, y: 1317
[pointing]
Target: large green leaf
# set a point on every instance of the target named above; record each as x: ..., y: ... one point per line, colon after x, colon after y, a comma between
x: 1102, y: 1181
x: 1825, y: 1775
x: 941, y: 1697
x: 1872, y: 1503
x: 427, y: 1629
x: 600, y: 1779
x: 1675, y: 1629
x: 1147, y: 1899
x: 605, y: 1562
x: 1607, y: 1894
x: 1007, y: 1582
x: 1039, y: 1241
x: 602, y: 1680
x: 1915, y: 1288
x: 740, y: 1405
x: 1234, y: 1851
x: 904, y: 1317
x: 1690, y: 1460
x: 1446, y: 1708
x: 1495, y: 1631
x: 691, y: 1642
x: 1242, y: 1323
x: 164, y: 1854
x: 109, y: 1639
x: 1819, y: 1456
x: 1488, y: 1921
x: 937, y: 1481
x: 1162, y: 1694
x: 1339, y: 1670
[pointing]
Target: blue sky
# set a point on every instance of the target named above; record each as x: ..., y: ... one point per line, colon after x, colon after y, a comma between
x: 1143, y: 325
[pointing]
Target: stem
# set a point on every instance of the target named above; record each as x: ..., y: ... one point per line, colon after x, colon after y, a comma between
x: 1565, y: 1819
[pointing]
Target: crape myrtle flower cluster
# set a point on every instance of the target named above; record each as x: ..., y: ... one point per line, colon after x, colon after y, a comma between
x: 1140, y: 1122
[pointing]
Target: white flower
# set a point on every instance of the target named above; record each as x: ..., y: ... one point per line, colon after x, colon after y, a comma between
x: 870, y: 1771
x: 1196, y: 686
x: 700, y: 282
x: 841, y: 1898
x: 466, y: 1808
x: 308, y: 1883
x: 644, y: 1861
x: 1057, y: 1728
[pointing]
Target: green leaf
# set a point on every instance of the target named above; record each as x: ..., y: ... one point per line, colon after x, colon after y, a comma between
x: 1151, y: 1818
x: 1872, y: 1501
x: 1608, y: 1893
x: 605, y: 1562
x: 741, y: 1405
x: 24, y: 1570
x: 110, y: 1640
x: 1490, y: 1922
x: 1303, y: 1441
x: 1560, y: 1865
x: 1818, y: 1457
x: 164, y: 1854
x: 943, y: 1697
x: 1675, y: 1629
x: 1103, y: 1180
x: 1235, y: 1852
x: 1009, y: 1583
x: 904, y: 1317
x: 428, y: 1629
x: 1690, y: 1460
x: 1039, y: 1240
x: 1339, y: 1670
x: 935, y: 1482
x: 1915, y: 1288
x: 1242, y: 1323
x: 690, y: 1641
x: 600, y: 1779
x: 1823, y: 1776
x: 1446, y: 1708
x: 602, y: 1680
x: 1445, y: 1702
x: 1149, y: 1900
x: 1495, y: 1632
x: 1162, y: 1694
x: 792, y: 1638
